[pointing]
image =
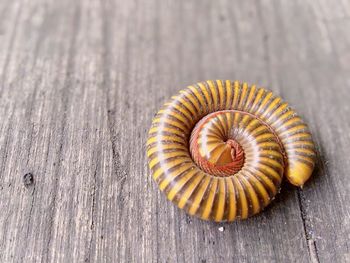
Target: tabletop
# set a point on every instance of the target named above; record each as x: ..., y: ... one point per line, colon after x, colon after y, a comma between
x: 80, y: 82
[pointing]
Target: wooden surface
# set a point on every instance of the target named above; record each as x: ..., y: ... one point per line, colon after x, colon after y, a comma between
x: 79, y: 84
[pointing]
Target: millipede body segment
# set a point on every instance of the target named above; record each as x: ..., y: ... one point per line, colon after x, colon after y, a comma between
x: 219, y: 149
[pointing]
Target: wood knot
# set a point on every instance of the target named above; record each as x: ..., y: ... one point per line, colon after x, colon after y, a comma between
x: 28, y: 180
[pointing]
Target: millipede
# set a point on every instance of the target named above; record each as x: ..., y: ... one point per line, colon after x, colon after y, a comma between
x: 220, y: 149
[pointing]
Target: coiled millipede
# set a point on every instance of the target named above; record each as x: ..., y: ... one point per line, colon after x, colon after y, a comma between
x: 219, y: 149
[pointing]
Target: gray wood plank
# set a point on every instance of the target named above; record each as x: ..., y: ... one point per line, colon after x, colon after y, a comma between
x: 80, y: 83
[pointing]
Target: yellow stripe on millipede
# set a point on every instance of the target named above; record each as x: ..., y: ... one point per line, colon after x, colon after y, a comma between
x: 192, y: 99
x: 236, y: 94
x: 252, y: 194
x: 272, y: 162
x: 268, y: 170
x: 258, y: 97
x: 167, y: 180
x: 250, y: 98
x: 260, y: 187
x: 290, y: 122
x: 300, y: 127
x: 228, y: 94
x: 176, y: 107
x: 267, y: 181
x: 221, y: 93
x: 161, y: 137
x: 167, y: 166
x: 187, y: 105
x: 155, y: 130
x: 209, y: 201
x: 242, y: 198
x: 180, y: 184
x: 200, y: 97
x: 243, y: 95
x: 232, y: 199
x: 199, y: 197
x: 222, y: 199
x: 261, y: 110
x: 214, y: 93
x: 271, y: 107
x: 178, y: 117
x: 170, y: 146
x: 164, y: 157
x: 276, y: 113
x: 177, y: 123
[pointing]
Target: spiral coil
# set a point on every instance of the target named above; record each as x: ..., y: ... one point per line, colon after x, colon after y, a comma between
x: 219, y: 149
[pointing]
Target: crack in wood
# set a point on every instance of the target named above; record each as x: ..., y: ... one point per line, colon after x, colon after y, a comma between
x: 307, y: 227
x: 93, y: 215
x: 65, y: 100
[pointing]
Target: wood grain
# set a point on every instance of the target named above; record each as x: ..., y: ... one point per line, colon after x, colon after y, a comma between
x: 79, y: 84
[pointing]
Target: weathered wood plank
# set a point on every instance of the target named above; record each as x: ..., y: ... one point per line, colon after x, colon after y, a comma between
x: 80, y: 83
